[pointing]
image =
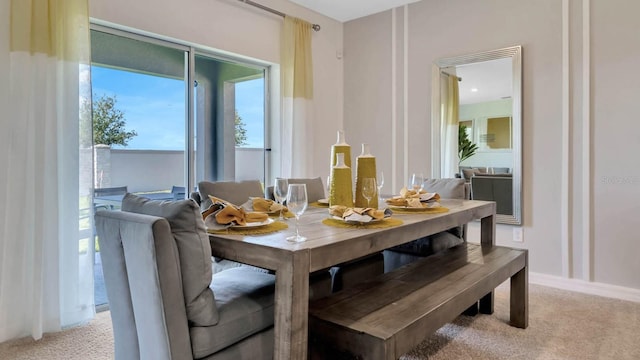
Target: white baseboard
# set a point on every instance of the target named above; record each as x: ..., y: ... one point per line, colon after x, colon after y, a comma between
x: 592, y: 288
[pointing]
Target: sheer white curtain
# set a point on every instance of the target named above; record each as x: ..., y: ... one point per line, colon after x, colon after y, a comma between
x: 449, y: 109
x: 297, y: 99
x: 46, y: 262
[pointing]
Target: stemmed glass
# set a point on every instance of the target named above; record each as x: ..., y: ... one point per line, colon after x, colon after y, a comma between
x: 328, y: 185
x: 369, y: 188
x: 417, y: 182
x: 280, y: 189
x: 380, y: 183
x: 297, y: 204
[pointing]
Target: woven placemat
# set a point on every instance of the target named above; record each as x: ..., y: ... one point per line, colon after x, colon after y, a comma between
x: 386, y: 223
x: 259, y: 230
x: 435, y: 210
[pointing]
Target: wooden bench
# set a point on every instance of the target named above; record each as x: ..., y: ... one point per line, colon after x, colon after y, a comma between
x: 388, y: 316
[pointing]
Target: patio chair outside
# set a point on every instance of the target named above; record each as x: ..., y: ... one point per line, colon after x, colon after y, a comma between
x: 97, y: 192
x: 178, y: 192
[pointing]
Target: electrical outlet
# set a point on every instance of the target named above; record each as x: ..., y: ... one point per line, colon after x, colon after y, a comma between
x: 518, y: 234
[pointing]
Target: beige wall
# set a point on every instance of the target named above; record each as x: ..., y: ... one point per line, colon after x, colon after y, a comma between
x: 600, y: 247
x: 241, y: 30
x: 615, y: 141
x: 384, y: 99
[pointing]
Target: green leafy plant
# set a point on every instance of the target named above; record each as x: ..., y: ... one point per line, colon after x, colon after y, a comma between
x: 241, y: 132
x: 109, y: 122
x: 466, y: 148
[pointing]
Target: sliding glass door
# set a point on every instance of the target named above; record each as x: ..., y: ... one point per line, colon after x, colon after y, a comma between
x: 229, y: 120
x: 139, y: 112
x: 167, y: 116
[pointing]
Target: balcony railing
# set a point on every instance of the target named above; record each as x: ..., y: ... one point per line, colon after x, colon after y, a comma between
x: 159, y: 170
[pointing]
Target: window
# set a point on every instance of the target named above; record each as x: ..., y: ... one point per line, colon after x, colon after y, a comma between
x: 177, y: 114
x: 148, y: 80
x: 229, y: 120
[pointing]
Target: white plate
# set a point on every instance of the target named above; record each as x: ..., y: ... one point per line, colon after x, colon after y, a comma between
x: 427, y: 196
x: 323, y: 201
x: 356, y: 222
x: 424, y: 197
x: 253, y: 224
x: 424, y: 207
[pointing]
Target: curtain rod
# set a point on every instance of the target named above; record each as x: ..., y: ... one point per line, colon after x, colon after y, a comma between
x: 446, y: 73
x: 315, y: 27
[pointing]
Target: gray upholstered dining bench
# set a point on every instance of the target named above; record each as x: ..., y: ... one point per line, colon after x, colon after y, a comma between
x: 391, y: 314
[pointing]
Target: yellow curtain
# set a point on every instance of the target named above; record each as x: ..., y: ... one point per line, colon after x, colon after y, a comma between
x: 296, y: 135
x: 46, y: 250
x: 453, y: 100
x: 51, y: 27
x: 296, y: 67
x: 450, y: 119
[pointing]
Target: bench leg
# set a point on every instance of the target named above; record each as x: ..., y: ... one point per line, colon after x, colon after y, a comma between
x: 472, y: 310
x: 519, y: 304
x: 486, y: 304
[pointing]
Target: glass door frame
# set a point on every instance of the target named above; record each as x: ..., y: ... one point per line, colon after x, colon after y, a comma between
x: 191, y: 52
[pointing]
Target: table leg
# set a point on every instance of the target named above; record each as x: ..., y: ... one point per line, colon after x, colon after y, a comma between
x: 488, y: 230
x: 486, y: 304
x: 487, y: 238
x: 519, y: 301
x: 292, y: 308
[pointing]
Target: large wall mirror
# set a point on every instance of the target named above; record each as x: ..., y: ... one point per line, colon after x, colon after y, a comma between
x: 477, y: 101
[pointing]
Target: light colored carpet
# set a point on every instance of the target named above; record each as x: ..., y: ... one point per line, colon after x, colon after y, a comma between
x: 93, y: 341
x: 562, y: 325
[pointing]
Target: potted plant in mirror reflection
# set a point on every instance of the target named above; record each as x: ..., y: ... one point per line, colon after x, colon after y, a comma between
x: 466, y: 148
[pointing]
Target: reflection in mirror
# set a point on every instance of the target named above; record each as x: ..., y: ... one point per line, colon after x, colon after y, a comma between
x: 481, y: 92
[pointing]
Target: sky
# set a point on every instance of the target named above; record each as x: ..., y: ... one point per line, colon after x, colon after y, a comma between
x: 251, y: 111
x: 154, y: 107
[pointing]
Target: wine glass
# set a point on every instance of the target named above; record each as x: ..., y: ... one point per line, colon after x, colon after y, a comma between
x: 329, y: 185
x: 380, y: 183
x: 297, y: 204
x: 280, y: 189
x: 417, y: 182
x: 369, y: 188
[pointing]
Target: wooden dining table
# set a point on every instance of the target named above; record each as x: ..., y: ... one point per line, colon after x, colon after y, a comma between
x: 327, y: 246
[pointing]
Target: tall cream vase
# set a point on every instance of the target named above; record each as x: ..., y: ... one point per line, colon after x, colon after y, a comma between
x: 365, y: 168
x: 341, y: 188
x: 341, y: 146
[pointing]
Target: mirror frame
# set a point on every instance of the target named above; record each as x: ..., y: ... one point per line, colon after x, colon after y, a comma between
x: 515, y: 54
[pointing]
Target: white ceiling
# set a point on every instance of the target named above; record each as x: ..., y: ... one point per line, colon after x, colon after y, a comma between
x: 345, y: 10
x: 491, y: 79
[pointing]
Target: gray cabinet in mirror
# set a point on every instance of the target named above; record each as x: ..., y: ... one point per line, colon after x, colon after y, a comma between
x: 482, y: 91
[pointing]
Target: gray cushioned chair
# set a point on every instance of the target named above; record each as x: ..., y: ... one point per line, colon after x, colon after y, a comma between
x: 238, y: 193
x: 451, y: 188
x: 235, y: 192
x: 351, y: 273
x: 315, y: 188
x: 164, y: 301
x: 499, y: 170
